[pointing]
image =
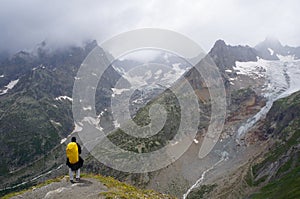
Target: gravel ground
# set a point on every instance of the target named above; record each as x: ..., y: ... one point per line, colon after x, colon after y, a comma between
x: 86, y: 188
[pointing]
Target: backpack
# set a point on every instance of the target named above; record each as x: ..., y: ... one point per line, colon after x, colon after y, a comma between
x: 72, y: 152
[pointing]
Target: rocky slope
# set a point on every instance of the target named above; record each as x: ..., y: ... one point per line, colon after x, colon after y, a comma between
x: 89, y: 186
x: 274, y: 171
x: 251, y: 89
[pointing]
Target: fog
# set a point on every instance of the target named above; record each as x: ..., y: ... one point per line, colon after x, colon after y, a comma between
x: 24, y: 24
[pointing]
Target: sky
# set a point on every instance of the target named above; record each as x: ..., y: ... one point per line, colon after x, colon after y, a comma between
x: 24, y: 24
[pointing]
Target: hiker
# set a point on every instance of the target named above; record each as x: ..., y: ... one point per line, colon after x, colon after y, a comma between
x: 74, y: 161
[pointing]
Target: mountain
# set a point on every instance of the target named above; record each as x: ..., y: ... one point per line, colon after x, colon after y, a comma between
x: 274, y: 171
x: 264, y: 164
x: 36, y: 118
x: 225, y: 55
x: 35, y: 107
x: 277, y: 172
x: 271, y: 49
x: 253, y: 85
x: 147, y: 78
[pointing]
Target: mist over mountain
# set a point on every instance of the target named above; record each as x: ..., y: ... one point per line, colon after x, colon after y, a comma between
x: 64, y: 23
x: 271, y: 48
x: 36, y: 111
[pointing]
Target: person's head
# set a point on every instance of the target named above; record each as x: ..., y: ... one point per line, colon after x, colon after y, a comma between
x: 73, y: 139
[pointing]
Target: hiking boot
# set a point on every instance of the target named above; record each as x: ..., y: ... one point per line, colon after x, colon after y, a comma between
x: 72, y: 181
x: 78, y: 179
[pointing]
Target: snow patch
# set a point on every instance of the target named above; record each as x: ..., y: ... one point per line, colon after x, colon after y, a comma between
x: 271, y: 51
x: 116, y: 124
x: 173, y: 75
x: 287, y: 58
x: 117, y: 91
x: 55, y: 123
x: 101, y: 113
x: 93, y: 121
x: 158, y: 72
x: 9, y: 86
x: 63, y: 140
x: 252, y: 69
x: 119, y: 69
x: 63, y: 98
x: 178, y: 71
x: 88, y: 108
x: 135, y: 80
x: 12, y: 84
x: 77, y: 128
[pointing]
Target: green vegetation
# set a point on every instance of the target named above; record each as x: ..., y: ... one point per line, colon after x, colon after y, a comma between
x: 285, y: 167
x: 38, y: 167
x: 241, y: 95
x: 249, y: 178
x: 282, y: 123
x: 278, y: 150
x: 116, y: 189
x: 169, y: 102
x: 252, y: 182
x: 31, y: 188
x: 286, y: 187
x: 32, y: 121
x: 122, y: 190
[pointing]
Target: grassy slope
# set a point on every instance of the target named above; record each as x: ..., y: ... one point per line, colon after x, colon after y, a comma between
x: 287, y: 187
x: 283, y: 123
x: 116, y: 189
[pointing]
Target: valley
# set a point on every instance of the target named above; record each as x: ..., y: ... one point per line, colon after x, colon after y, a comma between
x: 258, y: 148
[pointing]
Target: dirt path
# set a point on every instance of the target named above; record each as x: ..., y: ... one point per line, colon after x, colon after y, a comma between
x: 86, y: 188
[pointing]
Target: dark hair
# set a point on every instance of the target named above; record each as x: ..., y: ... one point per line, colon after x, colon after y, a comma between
x: 73, y: 139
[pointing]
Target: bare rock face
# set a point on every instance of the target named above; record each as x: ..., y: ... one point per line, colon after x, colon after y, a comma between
x: 225, y: 56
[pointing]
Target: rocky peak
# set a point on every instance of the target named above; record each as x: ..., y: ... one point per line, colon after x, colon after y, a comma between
x: 225, y: 56
x: 270, y: 48
x: 220, y: 44
x: 90, y: 45
x: 272, y: 42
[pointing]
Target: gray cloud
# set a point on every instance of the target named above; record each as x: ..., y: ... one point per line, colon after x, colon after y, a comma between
x: 26, y: 23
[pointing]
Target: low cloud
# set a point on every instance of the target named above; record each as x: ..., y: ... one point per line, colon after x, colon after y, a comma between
x: 24, y: 24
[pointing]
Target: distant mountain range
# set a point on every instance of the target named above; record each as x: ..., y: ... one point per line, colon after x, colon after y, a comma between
x: 36, y: 98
